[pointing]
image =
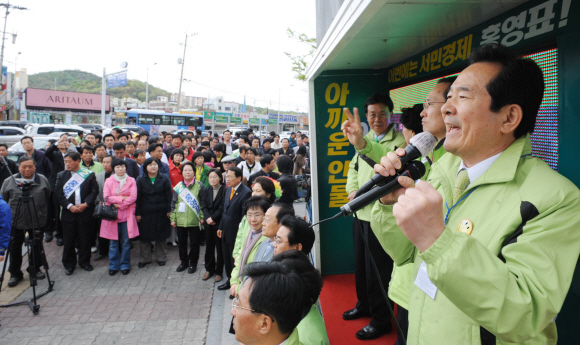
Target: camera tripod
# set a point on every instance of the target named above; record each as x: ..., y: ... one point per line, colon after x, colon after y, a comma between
x: 34, y: 247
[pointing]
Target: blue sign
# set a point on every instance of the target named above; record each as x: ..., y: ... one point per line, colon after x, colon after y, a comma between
x: 116, y: 80
x: 289, y: 118
x: 273, y: 116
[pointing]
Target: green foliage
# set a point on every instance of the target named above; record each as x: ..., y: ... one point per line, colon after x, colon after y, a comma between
x: 299, y: 63
x: 79, y: 81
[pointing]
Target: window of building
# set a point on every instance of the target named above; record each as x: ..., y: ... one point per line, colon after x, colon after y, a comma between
x: 228, y: 108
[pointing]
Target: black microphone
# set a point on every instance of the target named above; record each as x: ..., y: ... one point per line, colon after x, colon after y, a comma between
x: 421, y: 145
x: 413, y: 169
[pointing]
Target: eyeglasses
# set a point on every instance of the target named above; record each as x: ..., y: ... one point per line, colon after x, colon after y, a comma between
x: 427, y: 104
x: 235, y: 305
x: 381, y: 116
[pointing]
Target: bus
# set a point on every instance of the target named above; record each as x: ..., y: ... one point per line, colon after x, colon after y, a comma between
x: 154, y: 121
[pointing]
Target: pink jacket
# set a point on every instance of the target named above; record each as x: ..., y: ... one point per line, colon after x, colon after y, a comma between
x: 126, y: 208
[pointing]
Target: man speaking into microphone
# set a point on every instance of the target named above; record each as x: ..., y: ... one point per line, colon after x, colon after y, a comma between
x: 381, y: 138
x: 493, y: 235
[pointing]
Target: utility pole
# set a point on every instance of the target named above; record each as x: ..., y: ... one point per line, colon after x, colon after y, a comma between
x: 8, y: 7
x: 182, y: 65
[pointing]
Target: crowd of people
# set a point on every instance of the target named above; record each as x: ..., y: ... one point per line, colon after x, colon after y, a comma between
x: 233, y: 194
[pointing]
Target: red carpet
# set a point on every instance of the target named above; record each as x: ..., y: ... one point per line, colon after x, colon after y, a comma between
x: 339, y: 295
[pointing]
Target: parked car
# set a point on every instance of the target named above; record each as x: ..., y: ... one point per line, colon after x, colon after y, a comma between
x: 91, y: 126
x: 14, y: 123
x: 46, y: 129
x: 11, y: 135
x: 134, y: 128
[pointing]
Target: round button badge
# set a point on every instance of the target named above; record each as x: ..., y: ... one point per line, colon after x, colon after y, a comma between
x: 465, y: 226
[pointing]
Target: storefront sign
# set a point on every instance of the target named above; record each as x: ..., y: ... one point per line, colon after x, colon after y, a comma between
x: 254, y: 121
x: 288, y: 118
x: 64, y: 100
x: 527, y: 23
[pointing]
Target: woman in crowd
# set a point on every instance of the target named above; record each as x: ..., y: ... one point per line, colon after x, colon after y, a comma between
x: 174, y: 167
x: 212, y: 207
x: 153, y: 211
x: 186, y: 216
x: 287, y: 180
x: 263, y: 186
x: 256, y: 145
x: 120, y: 190
x: 300, y: 161
x: 201, y: 170
x: 256, y: 208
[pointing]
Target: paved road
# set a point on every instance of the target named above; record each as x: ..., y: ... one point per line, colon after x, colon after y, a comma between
x: 151, y: 305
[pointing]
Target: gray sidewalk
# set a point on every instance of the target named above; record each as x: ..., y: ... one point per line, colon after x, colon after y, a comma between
x: 151, y: 305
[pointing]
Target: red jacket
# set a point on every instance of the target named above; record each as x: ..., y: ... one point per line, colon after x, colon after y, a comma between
x: 174, y: 174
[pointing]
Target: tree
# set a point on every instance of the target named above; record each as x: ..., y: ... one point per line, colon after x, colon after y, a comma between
x: 299, y: 62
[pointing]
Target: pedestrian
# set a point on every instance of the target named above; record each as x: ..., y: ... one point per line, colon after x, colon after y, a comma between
x: 201, y: 170
x: 212, y: 207
x: 26, y: 222
x: 300, y: 161
x: 103, y: 243
x: 120, y: 190
x: 154, y: 197
x: 287, y: 180
x: 186, y: 216
x: 76, y: 191
x: 175, y: 167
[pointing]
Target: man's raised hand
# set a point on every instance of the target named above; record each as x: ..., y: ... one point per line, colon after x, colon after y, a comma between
x: 352, y: 129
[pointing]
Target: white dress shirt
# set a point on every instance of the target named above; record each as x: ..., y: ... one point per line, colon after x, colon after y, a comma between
x: 478, y: 169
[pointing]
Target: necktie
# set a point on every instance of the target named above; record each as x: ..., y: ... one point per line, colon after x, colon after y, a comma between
x: 461, y: 183
x: 232, y: 194
x: 376, y: 139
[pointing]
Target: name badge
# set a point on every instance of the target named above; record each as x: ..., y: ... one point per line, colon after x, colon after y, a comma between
x: 424, y: 283
x: 181, y: 207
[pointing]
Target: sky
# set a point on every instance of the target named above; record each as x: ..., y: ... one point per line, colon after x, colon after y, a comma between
x: 236, y: 48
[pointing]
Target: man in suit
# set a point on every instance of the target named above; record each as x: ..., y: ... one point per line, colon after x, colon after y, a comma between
x: 234, y: 210
x: 268, y: 164
x: 109, y: 141
x: 132, y: 168
x: 55, y: 154
x: 82, y: 189
x: 286, y: 149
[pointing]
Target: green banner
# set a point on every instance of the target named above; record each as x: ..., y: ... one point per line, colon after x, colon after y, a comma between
x: 236, y: 120
x: 272, y: 122
x: 334, y: 153
x: 254, y: 121
x: 208, y: 115
x: 221, y: 119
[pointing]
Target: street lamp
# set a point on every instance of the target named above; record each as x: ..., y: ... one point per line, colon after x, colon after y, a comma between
x: 147, y: 86
x: 15, y: 59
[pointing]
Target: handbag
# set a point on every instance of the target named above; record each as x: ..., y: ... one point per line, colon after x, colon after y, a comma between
x: 104, y: 211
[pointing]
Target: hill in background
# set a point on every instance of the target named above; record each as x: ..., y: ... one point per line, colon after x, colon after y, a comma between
x: 79, y: 81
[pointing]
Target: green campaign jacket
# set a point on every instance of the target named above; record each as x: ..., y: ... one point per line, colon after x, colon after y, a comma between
x: 236, y: 279
x: 360, y: 172
x: 243, y: 231
x: 187, y: 218
x: 402, y: 276
x: 311, y: 328
x: 518, y: 200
